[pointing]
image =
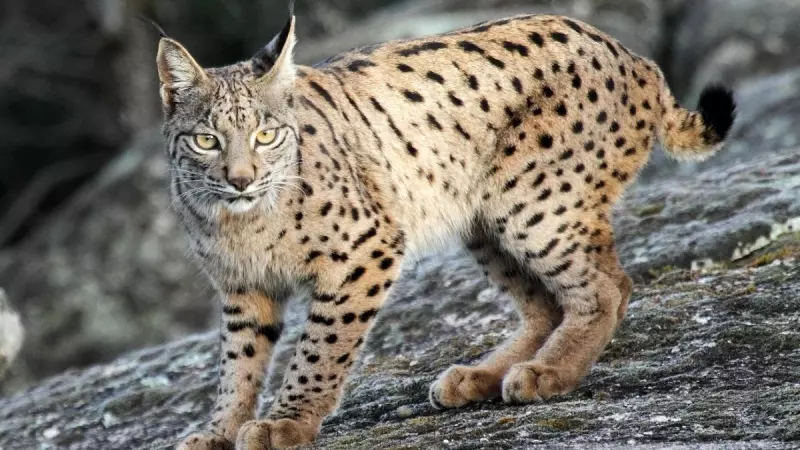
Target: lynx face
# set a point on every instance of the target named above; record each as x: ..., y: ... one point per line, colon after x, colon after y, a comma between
x: 231, y: 136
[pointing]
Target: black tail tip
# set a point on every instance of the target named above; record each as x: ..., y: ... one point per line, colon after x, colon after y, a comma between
x: 718, y: 109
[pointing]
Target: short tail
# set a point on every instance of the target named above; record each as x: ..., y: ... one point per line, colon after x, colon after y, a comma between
x: 688, y: 135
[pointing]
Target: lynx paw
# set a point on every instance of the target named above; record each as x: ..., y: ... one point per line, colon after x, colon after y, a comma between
x: 461, y: 385
x: 205, y: 441
x: 533, y: 382
x: 274, y: 434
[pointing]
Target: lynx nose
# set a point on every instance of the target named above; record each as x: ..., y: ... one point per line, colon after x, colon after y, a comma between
x: 240, y: 183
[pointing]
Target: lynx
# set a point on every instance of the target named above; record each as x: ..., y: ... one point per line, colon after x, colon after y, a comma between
x: 515, y: 136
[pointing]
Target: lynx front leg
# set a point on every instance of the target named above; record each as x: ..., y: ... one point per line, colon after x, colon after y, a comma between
x: 251, y: 325
x: 340, y: 315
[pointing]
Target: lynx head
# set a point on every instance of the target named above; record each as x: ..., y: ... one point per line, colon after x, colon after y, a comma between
x: 230, y: 133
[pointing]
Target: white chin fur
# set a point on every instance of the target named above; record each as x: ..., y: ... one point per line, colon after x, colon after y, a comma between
x: 240, y: 205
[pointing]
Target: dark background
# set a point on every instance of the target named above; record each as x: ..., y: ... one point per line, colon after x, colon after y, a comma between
x: 90, y: 254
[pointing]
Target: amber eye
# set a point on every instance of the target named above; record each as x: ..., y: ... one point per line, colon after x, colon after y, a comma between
x: 206, y: 141
x: 266, y: 137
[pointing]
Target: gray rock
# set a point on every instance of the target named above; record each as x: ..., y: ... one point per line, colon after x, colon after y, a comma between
x: 12, y: 333
x: 109, y: 273
x: 769, y: 118
x: 637, y: 23
x: 733, y: 41
x: 703, y: 362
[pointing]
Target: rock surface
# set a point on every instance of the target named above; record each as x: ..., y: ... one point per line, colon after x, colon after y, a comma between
x: 12, y: 333
x: 740, y: 200
x: 636, y: 23
x: 702, y: 361
x: 705, y: 360
x: 109, y: 273
x: 733, y: 41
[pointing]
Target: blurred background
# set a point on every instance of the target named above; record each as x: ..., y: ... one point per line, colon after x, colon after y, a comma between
x: 91, y: 258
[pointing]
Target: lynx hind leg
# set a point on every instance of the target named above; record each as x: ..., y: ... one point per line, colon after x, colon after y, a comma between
x: 592, y: 290
x: 608, y: 262
x: 548, y: 207
x: 461, y: 385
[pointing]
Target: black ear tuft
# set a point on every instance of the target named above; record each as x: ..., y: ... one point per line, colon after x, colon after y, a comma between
x: 718, y: 109
x: 265, y: 59
x: 157, y: 27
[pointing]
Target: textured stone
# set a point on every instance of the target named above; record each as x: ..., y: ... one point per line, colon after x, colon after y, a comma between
x: 732, y: 41
x: 705, y: 360
x: 702, y: 361
x: 636, y: 23
x: 109, y: 272
x: 11, y: 333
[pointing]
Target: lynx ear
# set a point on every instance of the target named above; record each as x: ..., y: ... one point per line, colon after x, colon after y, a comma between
x: 274, y: 63
x: 177, y: 70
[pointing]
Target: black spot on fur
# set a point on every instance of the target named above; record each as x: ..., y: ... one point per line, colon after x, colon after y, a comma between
x: 517, y: 83
x: 433, y: 76
x: 546, y: 141
x: 359, y: 64
x: 514, y: 47
x: 456, y: 101
x: 367, y: 315
x: 231, y: 310
x: 470, y: 47
x: 249, y: 350
x: 559, y: 37
x: 413, y: 96
x: 357, y: 273
x: 537, y: 39
x: 574, y: 26
x: 324, y: 93
x: 348, y: 318
x: 271, y: 332
x: 426, y: 47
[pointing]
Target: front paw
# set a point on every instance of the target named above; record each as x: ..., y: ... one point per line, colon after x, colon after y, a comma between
x: 274, y: 434
x: 205, y: 441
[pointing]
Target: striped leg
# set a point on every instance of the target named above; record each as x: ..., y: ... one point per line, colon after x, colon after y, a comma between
x: 251, y: 326
x: 592, y: 290
x: 340, y: 316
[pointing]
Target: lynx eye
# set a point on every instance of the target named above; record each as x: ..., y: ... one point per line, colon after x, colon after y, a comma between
x: 266, y: 137
x: 206, y: 141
